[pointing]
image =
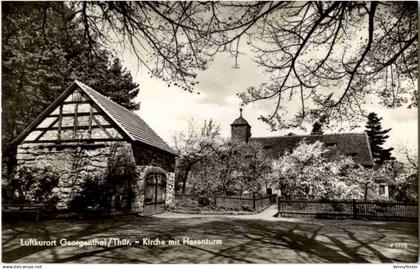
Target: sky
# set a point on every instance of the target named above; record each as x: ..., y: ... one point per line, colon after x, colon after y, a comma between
x: 168, y: 109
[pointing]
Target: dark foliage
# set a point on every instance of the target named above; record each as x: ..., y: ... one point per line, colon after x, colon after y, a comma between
x: 94, y: 197
x: 317, y: 129
x: 43, y: 52
x: 203, y: 201
x: 100, y: 195
x: 30, y: 185
x: 406, y: 191
x: 377, y: 137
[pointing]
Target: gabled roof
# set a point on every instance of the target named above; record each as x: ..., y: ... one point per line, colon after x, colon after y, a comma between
x: 355, y: 145
x: 134, y: 127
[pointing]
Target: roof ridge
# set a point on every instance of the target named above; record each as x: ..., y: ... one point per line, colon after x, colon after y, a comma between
x: 107, y: 97
x: 282, y: 136
x: 82, y: 86
x: 166, y: 146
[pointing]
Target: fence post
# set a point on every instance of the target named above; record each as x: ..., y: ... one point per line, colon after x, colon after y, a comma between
x: 253, y: 201
x: 354, y: 209
x: 278, y: 205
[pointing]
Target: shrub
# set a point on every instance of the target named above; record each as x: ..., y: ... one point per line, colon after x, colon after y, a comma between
x: 186, y: 202
x: 98, y: 193
x: 203, y: 201
x: 246, y: 208
x: 93, y: 197
x: 32, y: 184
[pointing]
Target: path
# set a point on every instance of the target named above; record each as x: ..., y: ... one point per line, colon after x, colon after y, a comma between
x: 258, y: 238
x: 267, y: 214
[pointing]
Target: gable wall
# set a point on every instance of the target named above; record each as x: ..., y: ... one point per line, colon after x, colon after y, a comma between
x: 147, y: 156
x: 74, y: 121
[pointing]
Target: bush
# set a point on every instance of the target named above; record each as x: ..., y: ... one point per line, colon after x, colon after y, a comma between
x: 93, y: 197
x: 337, y: 207
x: 186, y: 202
x: 203, y: 201
x: 7, y: 192
x: 98, y: 194
x: 32, y: 184
x: 246, y: 208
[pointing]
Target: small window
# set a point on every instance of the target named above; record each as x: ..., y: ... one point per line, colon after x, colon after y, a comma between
x: 352, y: 154
x: 381, y: 189
x: 268, y: 147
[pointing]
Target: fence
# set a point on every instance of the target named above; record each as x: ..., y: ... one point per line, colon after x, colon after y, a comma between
x: 236, y: 202
x: 349, y: 209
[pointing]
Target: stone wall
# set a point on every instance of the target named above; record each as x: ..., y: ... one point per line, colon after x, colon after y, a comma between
x: 74, y: 163
x: 77, y: 162
x: 147, y: 156
x: 240, y: 133
x: 170, y: 187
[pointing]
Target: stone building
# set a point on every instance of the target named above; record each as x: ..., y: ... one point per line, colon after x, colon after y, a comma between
x: 355, y: 145
x: 81, y: 133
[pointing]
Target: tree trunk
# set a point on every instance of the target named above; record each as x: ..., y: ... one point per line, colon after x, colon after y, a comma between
x: 184, y: 180
x: 366, y: 191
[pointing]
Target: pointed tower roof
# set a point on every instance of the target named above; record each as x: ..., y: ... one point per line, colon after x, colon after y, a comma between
x: 240, y: 120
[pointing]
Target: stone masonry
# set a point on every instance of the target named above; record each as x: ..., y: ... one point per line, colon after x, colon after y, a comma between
x: 77, y: 162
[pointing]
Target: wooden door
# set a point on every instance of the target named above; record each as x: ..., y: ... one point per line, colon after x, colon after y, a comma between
x: 155, y: 194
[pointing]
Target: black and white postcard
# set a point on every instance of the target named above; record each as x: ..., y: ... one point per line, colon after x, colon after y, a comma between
x: 205, y: 132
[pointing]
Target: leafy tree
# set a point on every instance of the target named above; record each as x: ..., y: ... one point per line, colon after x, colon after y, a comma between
x: 306, y: 173
x: 212, y: 165
x: 225, y: 162
x: 29, y: 67
x: 43, y: 51
x: 218, y: 172
x: 329, y: 55
x: 106, y: 75
x: 193, y: 146
x: 405, y: 188
x: 367, y: 180
x: 254, y: 166
x: 377, y: 137
x: 239, y: 167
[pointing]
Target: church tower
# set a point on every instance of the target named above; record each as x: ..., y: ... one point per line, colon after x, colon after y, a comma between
x: 241, y: 130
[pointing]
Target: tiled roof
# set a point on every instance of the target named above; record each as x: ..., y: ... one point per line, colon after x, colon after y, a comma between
x: 134, y: 126
x: 355, y: 145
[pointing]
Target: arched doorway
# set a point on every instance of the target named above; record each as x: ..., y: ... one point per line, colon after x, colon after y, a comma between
x: 155, y: 193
